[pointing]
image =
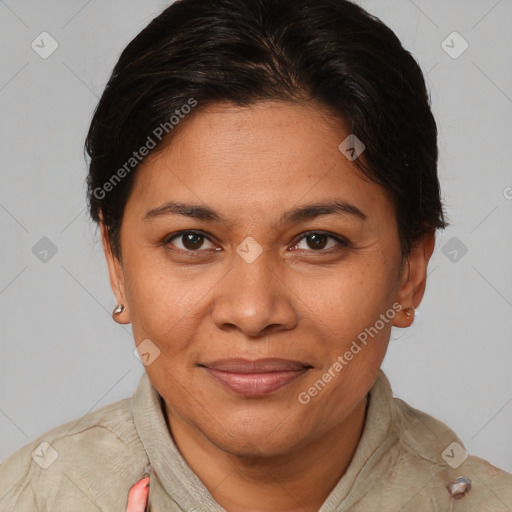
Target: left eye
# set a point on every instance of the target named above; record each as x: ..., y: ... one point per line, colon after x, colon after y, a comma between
x: 318, y: 241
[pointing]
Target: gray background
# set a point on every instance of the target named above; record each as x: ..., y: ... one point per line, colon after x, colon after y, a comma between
x: 62, y: 356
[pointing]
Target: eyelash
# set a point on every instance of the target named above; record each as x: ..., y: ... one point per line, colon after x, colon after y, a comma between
x: 345, y: 244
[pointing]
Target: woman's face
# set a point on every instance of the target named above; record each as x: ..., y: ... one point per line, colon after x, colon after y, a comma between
x: 261, y: 276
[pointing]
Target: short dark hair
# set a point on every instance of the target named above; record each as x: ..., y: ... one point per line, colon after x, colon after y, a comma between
x: 333, y: 52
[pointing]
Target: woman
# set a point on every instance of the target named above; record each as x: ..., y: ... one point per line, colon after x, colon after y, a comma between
x: 264, y: 175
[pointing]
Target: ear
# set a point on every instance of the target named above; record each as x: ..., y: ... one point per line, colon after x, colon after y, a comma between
x: 414, y: 279
x: 116, y: 275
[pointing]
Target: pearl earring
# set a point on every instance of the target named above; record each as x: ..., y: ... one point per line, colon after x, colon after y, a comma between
x: 118, y: 310
x: 410, y: 311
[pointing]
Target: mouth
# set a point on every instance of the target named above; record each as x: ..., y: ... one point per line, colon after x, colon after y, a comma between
x: 253, y: 378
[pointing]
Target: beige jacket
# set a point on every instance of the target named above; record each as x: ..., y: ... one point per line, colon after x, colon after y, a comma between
x: 402, y: 463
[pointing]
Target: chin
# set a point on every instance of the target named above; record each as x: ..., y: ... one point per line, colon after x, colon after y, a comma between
x: 255, y: 446
x: 262, y: 435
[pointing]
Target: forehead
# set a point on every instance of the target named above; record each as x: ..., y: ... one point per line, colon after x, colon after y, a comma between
x: 265, y: 155
x: 262, y: 133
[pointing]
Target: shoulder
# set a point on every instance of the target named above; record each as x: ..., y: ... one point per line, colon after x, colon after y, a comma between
x: 71, y: 462
x: 445, y: 473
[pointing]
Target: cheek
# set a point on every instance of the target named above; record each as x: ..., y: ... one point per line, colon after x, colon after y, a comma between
x: 164, y: 300
x: 351, y: 298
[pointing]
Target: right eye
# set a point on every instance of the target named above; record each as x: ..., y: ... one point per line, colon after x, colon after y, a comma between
x: 189, y: 241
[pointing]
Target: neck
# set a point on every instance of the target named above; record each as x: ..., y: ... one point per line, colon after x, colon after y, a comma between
x: 289, y: 482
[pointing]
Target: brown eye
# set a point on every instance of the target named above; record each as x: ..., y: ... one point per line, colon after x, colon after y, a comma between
x: 190, y: 241
x: 319, y: 242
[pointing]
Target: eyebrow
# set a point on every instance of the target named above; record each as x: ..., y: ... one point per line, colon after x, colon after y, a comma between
x: 292, y: 216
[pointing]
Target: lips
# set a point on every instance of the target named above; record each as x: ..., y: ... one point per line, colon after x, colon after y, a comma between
x: 253, y: 378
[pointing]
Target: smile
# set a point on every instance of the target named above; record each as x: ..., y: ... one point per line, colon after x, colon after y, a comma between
x: 255, y: 378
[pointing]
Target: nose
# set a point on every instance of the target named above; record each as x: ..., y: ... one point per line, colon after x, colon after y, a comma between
x: 254, y: 298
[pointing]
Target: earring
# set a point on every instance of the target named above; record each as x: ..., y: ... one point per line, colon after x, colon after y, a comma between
x: 118, y: 310
x: 409, y: 312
